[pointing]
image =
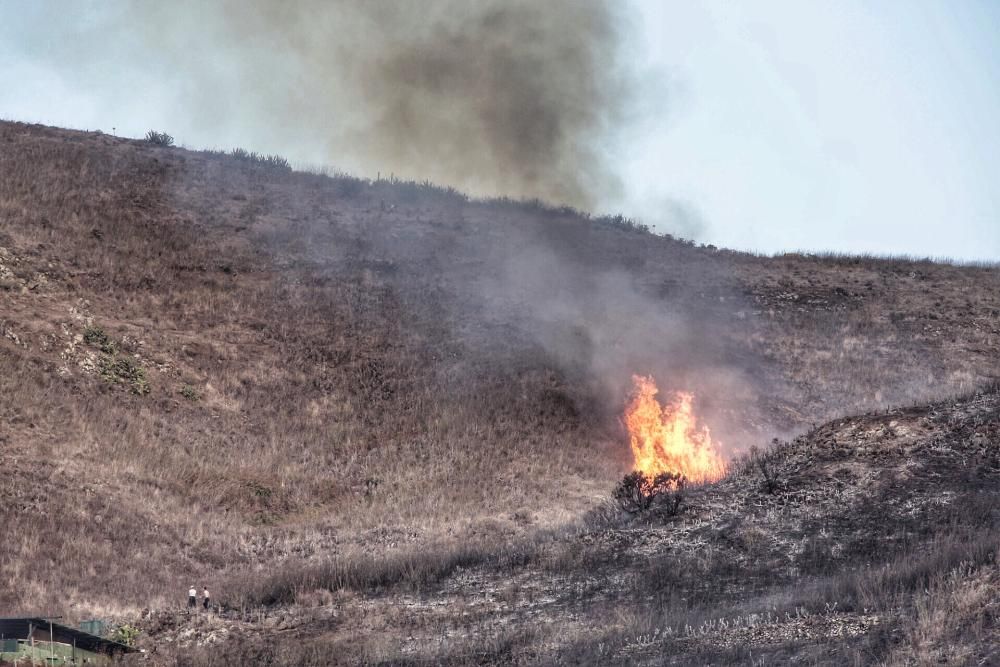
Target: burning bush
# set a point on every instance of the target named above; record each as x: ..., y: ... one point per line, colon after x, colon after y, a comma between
x: 638, y: 491
x: 667, y: 437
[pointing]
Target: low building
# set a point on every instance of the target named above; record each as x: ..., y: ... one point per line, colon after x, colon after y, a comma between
x: 39, y: 641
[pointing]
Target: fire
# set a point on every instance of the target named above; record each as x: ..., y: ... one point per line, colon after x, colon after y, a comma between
x: 668, y: 438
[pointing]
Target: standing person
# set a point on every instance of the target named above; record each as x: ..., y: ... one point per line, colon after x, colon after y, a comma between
x: 204, y: 592
x: 192, y: 597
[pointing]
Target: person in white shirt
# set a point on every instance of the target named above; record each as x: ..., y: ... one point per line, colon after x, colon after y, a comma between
x: 193, y: 597
x: 204, y: 593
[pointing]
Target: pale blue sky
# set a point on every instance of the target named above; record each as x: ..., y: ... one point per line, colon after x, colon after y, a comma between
x: 848, y: 126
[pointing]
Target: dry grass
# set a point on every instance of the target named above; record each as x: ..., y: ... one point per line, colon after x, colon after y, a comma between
x: 340, y: 367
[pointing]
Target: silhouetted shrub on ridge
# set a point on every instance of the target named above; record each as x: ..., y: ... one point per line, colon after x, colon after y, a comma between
x: 159, y: 138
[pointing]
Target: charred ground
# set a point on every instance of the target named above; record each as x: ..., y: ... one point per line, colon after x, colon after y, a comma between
x: 218, y: 371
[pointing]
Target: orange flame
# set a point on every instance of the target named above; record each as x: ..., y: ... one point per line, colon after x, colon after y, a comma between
x: 668, y: 438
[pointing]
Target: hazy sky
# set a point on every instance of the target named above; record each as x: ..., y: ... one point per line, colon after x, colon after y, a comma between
x: 847, y: 125
x: 850, y: 126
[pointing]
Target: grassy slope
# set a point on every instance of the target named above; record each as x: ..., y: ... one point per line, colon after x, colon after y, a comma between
x: 380, y: 366
x: 877, y: 543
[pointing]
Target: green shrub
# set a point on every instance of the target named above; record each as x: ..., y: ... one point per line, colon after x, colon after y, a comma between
x: 190, y: 393
x: 124, y: 634
x: 124, y: 369
x: 114, y: 367
x: 97, y: 337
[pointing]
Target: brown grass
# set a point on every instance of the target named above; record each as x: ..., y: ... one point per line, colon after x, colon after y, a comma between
x: 368, y: 411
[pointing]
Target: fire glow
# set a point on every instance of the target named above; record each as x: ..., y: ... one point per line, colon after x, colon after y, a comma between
x: 668, y: 438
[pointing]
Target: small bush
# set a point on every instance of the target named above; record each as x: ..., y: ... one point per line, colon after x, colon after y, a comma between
x: 190, y: 393
x: 761, y: 463
x: 638, y: 491
x: 124, y: 634
x: 97, y: 337
x: 159, y: 138
x: 124, y: 369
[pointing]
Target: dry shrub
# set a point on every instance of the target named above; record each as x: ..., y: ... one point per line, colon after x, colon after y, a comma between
x: 638, y: 491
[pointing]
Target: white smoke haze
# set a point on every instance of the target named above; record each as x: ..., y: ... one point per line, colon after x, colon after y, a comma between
x: 603, y: 326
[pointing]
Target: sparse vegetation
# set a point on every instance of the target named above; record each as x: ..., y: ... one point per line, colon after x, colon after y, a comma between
x: 261, y: 160
x: 622, y: 222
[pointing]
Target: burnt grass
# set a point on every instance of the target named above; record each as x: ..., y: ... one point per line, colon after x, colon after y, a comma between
x: 321, y: 397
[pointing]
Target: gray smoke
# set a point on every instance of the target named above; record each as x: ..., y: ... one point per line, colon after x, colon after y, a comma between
x: 512, y: 97
x: 605, y: 324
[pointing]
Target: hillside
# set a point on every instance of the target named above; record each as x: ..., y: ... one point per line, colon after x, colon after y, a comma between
x: 869, y: 540
x: 221, y: 372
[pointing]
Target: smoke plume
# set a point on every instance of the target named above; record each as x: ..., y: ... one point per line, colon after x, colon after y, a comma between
x: 512, y: 97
